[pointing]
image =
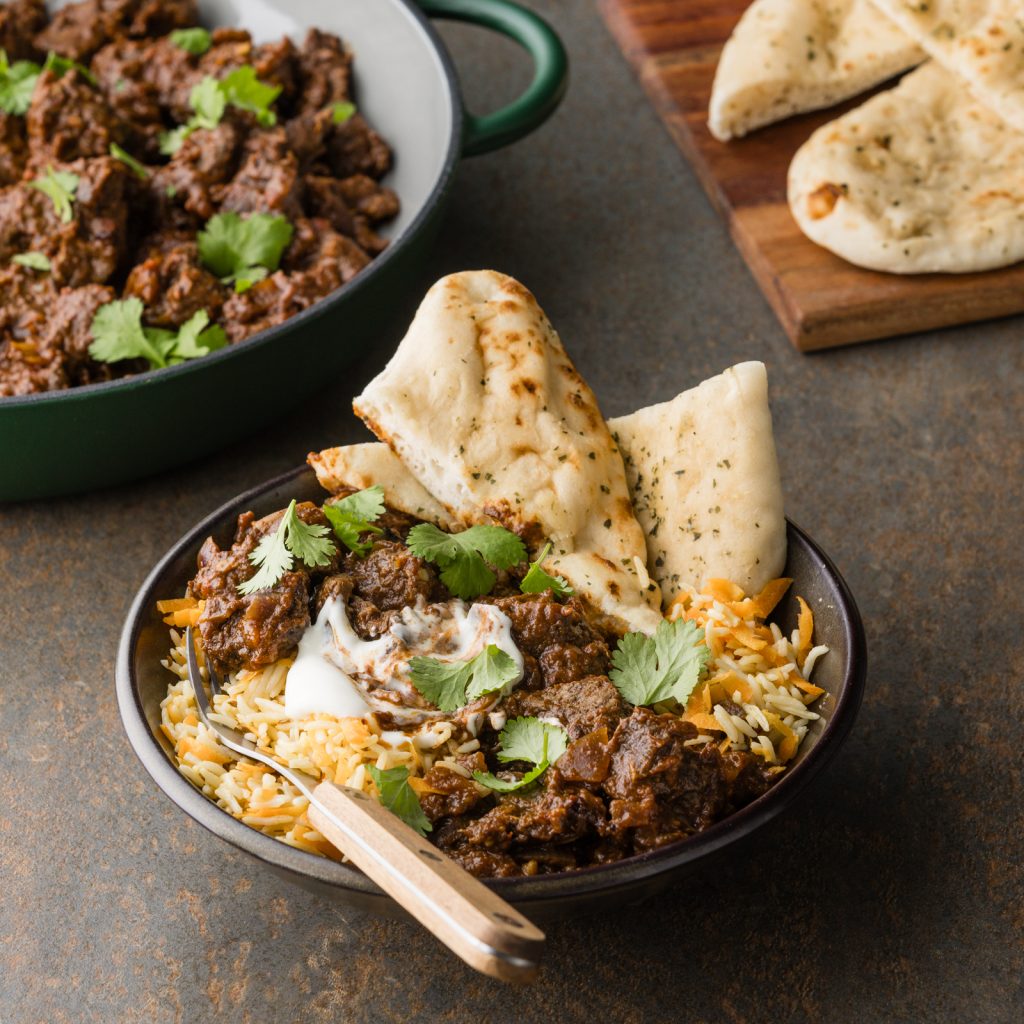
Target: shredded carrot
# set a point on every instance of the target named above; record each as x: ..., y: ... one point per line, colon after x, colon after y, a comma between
x: 805, y: 625
x: 723, y: 590
x: 787, y: 748
x: 809, y: 688
x: 191, y: 745
x: 761, y: 606
x: 748, y: 637
x: 177, y: 604
x: 421, y: 786
x: 704, y: 721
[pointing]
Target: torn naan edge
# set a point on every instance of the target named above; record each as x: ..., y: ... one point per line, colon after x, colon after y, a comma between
x: 705, y: 483
x: 786, y: 57
x: 982, y: 41
x: 484, y: 407
x: 920, y: 179
x: 357, y: 466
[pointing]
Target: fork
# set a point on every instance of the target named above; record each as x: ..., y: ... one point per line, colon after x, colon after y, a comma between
x: 471, y: 920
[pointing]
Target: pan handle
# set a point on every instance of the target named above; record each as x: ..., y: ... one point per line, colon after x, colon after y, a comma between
x: 550, y: 77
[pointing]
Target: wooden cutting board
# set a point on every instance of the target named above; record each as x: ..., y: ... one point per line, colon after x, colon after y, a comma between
x: 821, y: 300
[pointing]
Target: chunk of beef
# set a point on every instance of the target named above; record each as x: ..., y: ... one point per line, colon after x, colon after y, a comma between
x: 173, y: 286
x: 391, y: 576
x: 69, y: 327
x: 355, y: 148
x: 125, y: 70
x: 205, y: 161
x: 324, y: 72
x: 28, y: 364
x: 13, y: 148
x: 78, y: 30
x: 351, y: 206
x: 267, y: 179
x: 558, y: 642
x: 581, y: 705
x: 450, y: 794
x: 20, y: 21
x: 307, y: 136
x: 252, y: 629
x: 70, y: 119
x: 317, y: 261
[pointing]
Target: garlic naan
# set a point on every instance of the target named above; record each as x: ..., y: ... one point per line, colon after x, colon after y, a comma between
x: 484, y: 407
x: 705, y: 483
x: 789, y: 56
x: 356, y: 466
x: 980, y: 40
x: 922, y: 178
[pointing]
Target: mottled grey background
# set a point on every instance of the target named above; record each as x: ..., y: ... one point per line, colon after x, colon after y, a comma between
x: 894, y: 890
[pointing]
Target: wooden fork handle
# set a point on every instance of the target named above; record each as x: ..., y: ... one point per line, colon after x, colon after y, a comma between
x: 470, y: 919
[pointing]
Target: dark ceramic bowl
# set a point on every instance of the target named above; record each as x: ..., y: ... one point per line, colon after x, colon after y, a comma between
x: 142, y: 684
x: 66, y: 441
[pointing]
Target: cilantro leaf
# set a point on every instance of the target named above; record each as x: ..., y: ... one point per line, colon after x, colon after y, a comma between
x: 526, y: 739
x: 275, y: 554
x: 342, y: 112
x: 243, y: 251
x: 463, y: 557
x: 452, y: 684
x: 60, y: 187
x: 399, y: 797
x: 60, y: 66
x: 208, y: 104
x: 192, y: 40
x: 197, y: 338
x: 530, y: 739
x: 536, y: 581
x: 242, y: 89
x: 355, y: 515
x: 646, y: 670
x: 33, y: 260
x: 17, y: 83
x: 118, y: 334
x: 128, y: 160
x: 492, y: 781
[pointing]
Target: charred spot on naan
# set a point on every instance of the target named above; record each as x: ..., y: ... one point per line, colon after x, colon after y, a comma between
x: 822, y: 201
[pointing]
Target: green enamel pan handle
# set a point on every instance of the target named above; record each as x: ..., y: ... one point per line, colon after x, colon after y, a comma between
x: 550, y: 76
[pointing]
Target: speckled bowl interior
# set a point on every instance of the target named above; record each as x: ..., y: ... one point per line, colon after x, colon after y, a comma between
x: 142, y: 684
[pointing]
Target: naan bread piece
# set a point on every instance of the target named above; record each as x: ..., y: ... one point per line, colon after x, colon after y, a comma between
x: 920, y: 179
x: 705, y: 483
x: 786, y: 57
x: 981, y: 40
x: 356, y: 466
x: 485, y: 408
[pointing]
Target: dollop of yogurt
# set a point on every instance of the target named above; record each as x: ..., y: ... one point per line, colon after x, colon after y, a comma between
x: 336, y: 672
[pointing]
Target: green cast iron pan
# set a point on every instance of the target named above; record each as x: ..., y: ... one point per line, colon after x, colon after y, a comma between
x: 67, y: 441
x: 142, y: 684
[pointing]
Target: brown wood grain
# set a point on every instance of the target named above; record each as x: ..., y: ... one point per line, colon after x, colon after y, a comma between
x: 821, y: 300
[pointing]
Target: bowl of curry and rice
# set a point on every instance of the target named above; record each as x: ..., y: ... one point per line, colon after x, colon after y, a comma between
x: 579, y: 656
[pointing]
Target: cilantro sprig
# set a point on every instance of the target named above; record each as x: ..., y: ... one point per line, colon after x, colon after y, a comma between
x: 526, y: 739
x: 399, y: 797
x: 355, y: 515
x: 61, y: 187
x: 244, y: 251
x: 118, y: 334
x: 33, y: 260
x: 342, y: 112
x: 60, y: 66
x: 210, y: 98
x: 192, y: 40
x: 276, y: 552
x: 450, y: 685
x: 537, y: 581
x: 465, y: 558
x: 17, y: 83
x: 118, y: 153
x: 646, y: 670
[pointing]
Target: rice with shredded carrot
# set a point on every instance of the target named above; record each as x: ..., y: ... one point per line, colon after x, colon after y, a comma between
x: 756, y: 696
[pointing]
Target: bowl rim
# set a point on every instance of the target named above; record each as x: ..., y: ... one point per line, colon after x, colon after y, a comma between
x: 595, y: 880
x: 360, y: 282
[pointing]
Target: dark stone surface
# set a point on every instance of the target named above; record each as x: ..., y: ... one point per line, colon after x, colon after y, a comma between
x: 894, y: 890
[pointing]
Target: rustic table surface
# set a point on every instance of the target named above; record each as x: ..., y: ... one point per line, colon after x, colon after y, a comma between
x: 893, y: 891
